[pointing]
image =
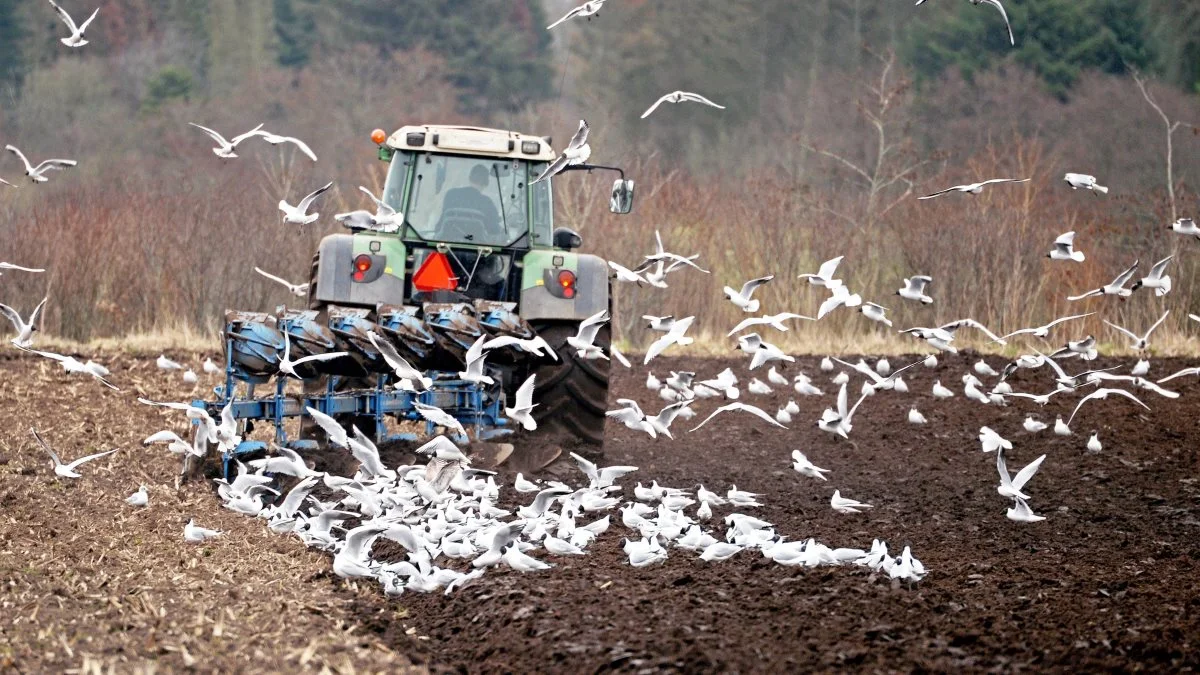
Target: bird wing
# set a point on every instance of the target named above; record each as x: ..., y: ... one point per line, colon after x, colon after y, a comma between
x: 568, y: 15
x: 12, y: 315
x: 655, y: 106
x: 1011, y: 38
x: 616, y: 354
x: 1002, y: 468
x: 65, y: 17
x: 1067, y: 239
x: 829, y: 267
x: 319, y: 357
x: 580, y: 138
x: 756, y: 411
x: 1003, y: 180
x: 330, y: 426
x: 591, y: 326
x: 85, y: 24
x: 552, y: 169
x: 658, y: 346
x: 525, y: 392
x: 1023, y: 476
x: 1156, y: 272
x: 1066, y: 318
x: 10, y: 266
x: 301, y: 145
x: 716, y: 412
x: 668, y: 414
x: 379, y: 204
x: 54, y: 164
x: 1183, y: 373
x: 475, y: 352
x: 256, y: 131
x: 1124, y: 277
x: 1144, y: 337
x: 842, y: 402
x: 46, y: 447
x: 1089, y: 294
x: 1133, y: 337
x: 302, y: 207
x: 749, y: 287
x: 214, y: 135
x: 940, y: 193
x: 697, y: 98
x: 274, y: 278
x: 389, y: 353
x: 919, y: 282
x: 83, y: 460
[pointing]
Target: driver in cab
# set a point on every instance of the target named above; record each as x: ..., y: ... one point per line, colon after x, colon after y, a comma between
x: 468, y: 208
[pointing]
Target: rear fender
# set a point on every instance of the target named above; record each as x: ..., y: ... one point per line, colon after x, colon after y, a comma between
x: 541, y: 268
x: 383, y: 283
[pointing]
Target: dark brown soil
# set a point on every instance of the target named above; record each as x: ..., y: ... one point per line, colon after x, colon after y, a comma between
x: 1110, y: 581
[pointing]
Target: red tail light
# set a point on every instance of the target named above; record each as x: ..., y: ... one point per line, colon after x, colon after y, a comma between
x: 566, y: 279
x: 435, y: 274
x: 362, y: 265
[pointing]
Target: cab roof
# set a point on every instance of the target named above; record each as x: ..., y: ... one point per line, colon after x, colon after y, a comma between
x: 471, y: 141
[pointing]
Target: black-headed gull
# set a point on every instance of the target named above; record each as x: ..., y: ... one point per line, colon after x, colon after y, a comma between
x: 407, y: 376
x: 38, y: 173
x: 839, y: 296
x: 974, y: 188
x: 914, y: 289
x: 587, y: 9
x: 72, y: 365
x: 622, y: 273
x: 994, y: 3
x: 1044, y: 331
x: 876, y: 313
x: 680, y: 97
x: 25, y: 329
x: 761, y: 351
x: 1139, y: 342
x: 846, y: 505
x: 738, y: 406
x: 804, y: 467
x: 824, y: 275
x: 195, y: 534
x: 743, y: 299
x: 1186, y: 227
x: 674, y: 336
x: 1082, y: 181
x: 630, y: 414
x: 1157, y: 279
x: 840, y: 421
x: 915, y: 416
x: 475, y: 361
x: 298, y: 214
x: 1116, y: 287
x: 298, y: 290
x: 523, y: 405
x: 577, y: 151
x: 1093, y: 444
x: 1104, y: 393
x: 1021, y: 512
x: 990, y: 441
x: 1064, y: 248
x: 225, y: 149
x: 75, y: 39
x: 1034, y: 426
x: 584, y: 340
x: 1010, y: 486
x: 139, y: 498
x: 276, y: 139
x: 67, y: 470
x: 288, y: 367
x: 773, y: 320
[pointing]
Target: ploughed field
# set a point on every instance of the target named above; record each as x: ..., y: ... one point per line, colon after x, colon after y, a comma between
x: 1111, y: 579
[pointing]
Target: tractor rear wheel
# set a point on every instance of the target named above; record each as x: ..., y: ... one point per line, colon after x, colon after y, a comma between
x: 572, y: 393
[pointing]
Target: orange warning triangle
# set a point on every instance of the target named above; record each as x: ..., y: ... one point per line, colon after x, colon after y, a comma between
x: 435, y: 274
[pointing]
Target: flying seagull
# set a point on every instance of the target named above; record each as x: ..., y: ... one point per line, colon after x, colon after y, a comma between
x: 520, y: 412
x: 974, y: 188
x: 1158, y: 279
x: 1187, y: 227
x: 743, y: 298
x: 275, y: 139
x: 1104, y: 393
x: 735, y: 406
x: 298, y: 290
x: 76, y: 37
x: 914, y: 289
x: 577, y: 152
x: 225, y: 149
x: 824, y: 275
x: 1064, y: 248
x: 1081, y: 181
x: 67, y: 470
x: 680, y: 97
x: 288, y: 367
x: 10, y: 266
x: 587, y: 9
x: 1116, y: 287
x: 1044, y: 331
x: 25, y: 329
x: 1139, y: 342
x: 995, y: 3
x: 299, y: 215
x: 38, y: 173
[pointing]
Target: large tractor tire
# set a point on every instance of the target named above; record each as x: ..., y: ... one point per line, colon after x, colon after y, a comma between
x: 572, y: 393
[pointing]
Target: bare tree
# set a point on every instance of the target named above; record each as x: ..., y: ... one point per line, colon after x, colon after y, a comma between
x: 1172, y: 127
x: 888, y: 175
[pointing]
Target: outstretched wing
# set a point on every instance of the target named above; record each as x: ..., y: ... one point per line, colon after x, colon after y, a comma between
x: 62, y: 13
x: 212, y: 134
x: 307, y: 201
x: 83, y: 460
x: 580, y: 137
x: 655, y: 106
x: 996, y: 3
x: 1124, y: 277
x: 1023, y: 476
x: 697, y: 98
x: 749, y: 287
x: 1159, y: 268
x: 45, y: 446
x: 1133, y: 337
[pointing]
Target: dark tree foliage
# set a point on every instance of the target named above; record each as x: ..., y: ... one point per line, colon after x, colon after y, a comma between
x: 12, y: 32
x: 295, y: 30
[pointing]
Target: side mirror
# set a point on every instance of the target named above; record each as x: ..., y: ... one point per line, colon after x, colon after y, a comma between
x: 622, y: 197
x: 567, y: 239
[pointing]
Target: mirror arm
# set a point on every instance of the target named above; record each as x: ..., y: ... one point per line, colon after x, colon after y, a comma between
x: 594, y: 167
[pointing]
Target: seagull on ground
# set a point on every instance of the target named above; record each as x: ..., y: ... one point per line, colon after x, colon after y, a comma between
x: 804, y: 467
x: 139, y: 498
x: 25, y: 329
x: 1064, y: 248
x: 846, y: 505
x: 974, y: 188
x: 680, y: 97
x: 1061, y: 428
x: 299, y: 215
x: 298, y: 290
x: 1116, y: 287
x: 1034, y: 426
x: 1021, y: 512
x: 38, y: 173
x: 914, y: 289
x: 1157, y: 279
x: 915, y: 416
x: 587, y: 9
x: 195, y: 534
x: 577, y: 151
x: 1093, y: 444
x: 67, y: 470
x: 76, y: 37
x: 1139, y: 342
x: 1010, y: 486
x: 742, y: 299
x: 941, y: 391
x: 1082, y: 181
x: 225, y: 149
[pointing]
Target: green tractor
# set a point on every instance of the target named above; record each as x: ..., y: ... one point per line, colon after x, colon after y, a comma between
x: 475, y: 249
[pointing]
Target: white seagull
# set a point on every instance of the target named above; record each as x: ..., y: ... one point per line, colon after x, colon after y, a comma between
x: 587, y: 9
x: 139, y: 498
x: 25, y: 329
x: 742, y: 299
x: 523, y: 405
x: 1116, y: 287
x: 846, y: 505
x: 1021, y: 512
x: 225, y: 149
x: 298, y: 290
x: 1157, y: 279
x: 680, y: 97
x: 974, y: 188
x: 585, y: 337
x: 804, y: 467
x: 276, y: 139
x: 773, y: 320
x: 1186, y: 227
x: 401, y: 368
x: 288, y: 367
x: 1140, y: 342
x: 299, y: 215
x: 577, y: 152
x: 1082, y: 181
x: 1064, y: 248
x: 38, y: 173
x: 876, y: 312
x: 735, y: 406
x: 914, y: 289
x: 1104, y: 393
x: 67, y: 470
x: 824, y: 275
x: 1044, y: 331
x: 76, y: 37
x: 1010, y: 486
x: 675, y: 336
x: 195, y: 534
x: 839, y: 296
